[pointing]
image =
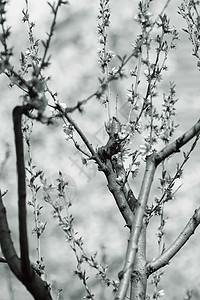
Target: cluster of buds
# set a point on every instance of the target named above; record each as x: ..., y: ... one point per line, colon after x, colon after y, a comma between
x: 105, y: 56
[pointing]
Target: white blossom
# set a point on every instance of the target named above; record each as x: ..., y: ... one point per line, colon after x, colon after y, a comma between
x: 145, y: 149
x: 161, y: 293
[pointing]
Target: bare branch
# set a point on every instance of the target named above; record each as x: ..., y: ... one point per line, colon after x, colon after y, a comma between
x: 183, y: 237
x: 136, y: 228
x: 7, y: 244
x: 178, y: 143
x: 25, y: 262
x: 38, y: 288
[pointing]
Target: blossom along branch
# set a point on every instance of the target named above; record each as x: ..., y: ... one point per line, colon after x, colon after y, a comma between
x: 189, y: 10
x: 169, y: 253
x: 46, y: 44
x: 167, y: 194
x: 61, y: 211
x: 105, y: 55
x: 115, y: 74
x: 32, y: 174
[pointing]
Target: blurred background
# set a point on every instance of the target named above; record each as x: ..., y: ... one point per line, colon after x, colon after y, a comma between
x: 74, y: 75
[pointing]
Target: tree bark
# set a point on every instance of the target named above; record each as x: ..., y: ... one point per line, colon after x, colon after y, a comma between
x: 139, y: 275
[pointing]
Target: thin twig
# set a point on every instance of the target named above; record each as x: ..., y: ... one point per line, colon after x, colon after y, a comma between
x: 177, y: 175
x: 50, y: 34
x: 84, y: 139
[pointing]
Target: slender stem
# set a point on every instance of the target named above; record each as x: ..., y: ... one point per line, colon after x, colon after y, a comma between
x: 85, y: 140
x: 50, y: 34
x: 177, y: 175
x: 136, y: 84
x: 3, y: 40
x: 108, y: 94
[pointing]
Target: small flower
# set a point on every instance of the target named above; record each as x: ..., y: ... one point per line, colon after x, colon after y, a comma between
x: 63, y: 105
x: 138, y: 127
x: 68, y: 130
x: 84, y: 161
x: 124, y: 133
x: 161, y: 293
x: 133, y: 72
x: 146, y: 72
x: 149, y: 14
x: 111, y: 54
x: 113, y: 71
x: 101, y: 39
x: 120, y: 179
x: 145, y: 149
x: 129, y: 97
x: 52, y: 109
x: 135, y: 18
x: 28, y: 52
x: 171, y: 29
x: 39, y: 103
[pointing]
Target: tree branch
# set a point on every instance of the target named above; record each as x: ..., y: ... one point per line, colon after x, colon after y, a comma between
x: 85, y: 140
x: 177, y: 144
x: 7, y: 244
x: 17, y: 117
x: 136, y: 228
x: 119, y: 196
x: 183, y: 237
x: 35, y: 285
x: 139, y: 276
